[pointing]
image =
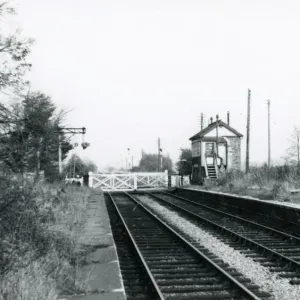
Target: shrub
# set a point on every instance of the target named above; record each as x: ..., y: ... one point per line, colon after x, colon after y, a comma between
x: 40, y: 226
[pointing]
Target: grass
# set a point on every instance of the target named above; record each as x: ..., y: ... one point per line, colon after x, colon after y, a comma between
x: 40, y: 227
x: 265, y: 183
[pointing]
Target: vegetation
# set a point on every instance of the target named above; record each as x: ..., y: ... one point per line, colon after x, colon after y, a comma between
x: 40, y: 223
x: 14, y: 50
x: 150, y: 163
x: 29, y: 142
x: 77, y: 166
x: 262, y: 182
x: 29, y: 127
x: 40, y: 229
x: 293, y: 152
x: 184, y: 165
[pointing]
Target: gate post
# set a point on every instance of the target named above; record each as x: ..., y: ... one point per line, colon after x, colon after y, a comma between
x: 90, y: 184
x: 166, y: 178
x: 134, y: 181
x: 112, y: 182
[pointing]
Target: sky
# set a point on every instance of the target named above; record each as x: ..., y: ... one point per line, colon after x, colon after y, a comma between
x: 132, y: 71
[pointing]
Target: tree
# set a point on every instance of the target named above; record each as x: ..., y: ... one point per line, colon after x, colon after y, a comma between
x: 149, y: 162
x: 90, y: 166
x: 30, y: 143
x: 184, y: 165
x: 77, y: 166
x: 293, y: 152
x: 14, y: 51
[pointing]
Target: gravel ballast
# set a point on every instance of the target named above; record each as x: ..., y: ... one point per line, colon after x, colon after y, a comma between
x: 267, y: 281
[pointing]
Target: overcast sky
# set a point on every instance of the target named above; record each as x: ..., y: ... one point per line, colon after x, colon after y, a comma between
x: 133, y: 71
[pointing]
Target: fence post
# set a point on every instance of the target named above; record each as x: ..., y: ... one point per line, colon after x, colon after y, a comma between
x: 90, y: 184
x: 166, y: 178
x: 112, y: 182
x: 134, y: 181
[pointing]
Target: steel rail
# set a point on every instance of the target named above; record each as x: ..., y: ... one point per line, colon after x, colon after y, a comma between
x: 157, y: 289
x: 232, y: 233
x: 272, y: 230
x: 235, y: 207
x: 241, y: 287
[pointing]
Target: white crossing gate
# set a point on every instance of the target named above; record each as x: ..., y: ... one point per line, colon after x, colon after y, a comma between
x: 128, y: 181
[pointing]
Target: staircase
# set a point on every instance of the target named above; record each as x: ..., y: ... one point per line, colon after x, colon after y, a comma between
x: 211, y: 170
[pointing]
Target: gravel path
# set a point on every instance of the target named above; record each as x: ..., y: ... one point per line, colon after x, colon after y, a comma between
x: 269, y: 282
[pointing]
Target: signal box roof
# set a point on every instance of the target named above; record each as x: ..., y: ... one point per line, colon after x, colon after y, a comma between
x: 212, y: 126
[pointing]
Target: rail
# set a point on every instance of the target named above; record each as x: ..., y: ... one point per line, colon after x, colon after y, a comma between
x: 237, y: 236
x: 185, y: 244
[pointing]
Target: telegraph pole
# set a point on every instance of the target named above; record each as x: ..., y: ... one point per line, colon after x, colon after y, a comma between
x: 59, y: 154
x: 217, y: 133
x: 158, y: 146
x: 128, y: 158
x: 269, y: 136
x: 142, y: 162
x: 248, y: 132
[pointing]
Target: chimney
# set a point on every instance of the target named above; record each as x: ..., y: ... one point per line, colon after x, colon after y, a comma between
x: 228, y: 119
x: 202, y: 119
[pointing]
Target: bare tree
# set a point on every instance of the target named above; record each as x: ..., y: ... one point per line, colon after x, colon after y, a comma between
x: 14, y: 50
x: 293, y: 152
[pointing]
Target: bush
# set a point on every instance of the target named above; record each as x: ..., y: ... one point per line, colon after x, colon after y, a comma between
x: 40, y: 226
x: 261, y: 182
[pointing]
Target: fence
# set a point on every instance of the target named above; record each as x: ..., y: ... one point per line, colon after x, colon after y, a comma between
x: 133, y: 181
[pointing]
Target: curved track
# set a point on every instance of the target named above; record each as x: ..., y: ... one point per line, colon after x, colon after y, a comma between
x: 177, y: 269
x: 274, y: 249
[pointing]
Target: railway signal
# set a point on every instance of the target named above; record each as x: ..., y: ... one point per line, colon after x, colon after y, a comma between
x: 72, y: 131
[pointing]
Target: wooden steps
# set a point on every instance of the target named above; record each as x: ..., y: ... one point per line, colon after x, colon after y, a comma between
x: 211, y: 170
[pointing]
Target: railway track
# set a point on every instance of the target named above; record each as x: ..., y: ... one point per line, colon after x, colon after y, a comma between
x: 136, y: 281
x: 176, y: 268
x: 276, y: 250
x: 267, y: 220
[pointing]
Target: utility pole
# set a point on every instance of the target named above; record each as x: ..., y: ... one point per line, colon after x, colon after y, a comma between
x: 269, y: 136
x: 131, y: 163
x: 248, y: 132
x: 217, y: 133
x: 128, y: 158
x: 158, y: 163
x: 59, y: 154
x: 74, y: 166
x: 142, y: 160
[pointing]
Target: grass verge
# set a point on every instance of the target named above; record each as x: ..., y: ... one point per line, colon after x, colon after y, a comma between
x: 264, y: 183
x: 40, y: 228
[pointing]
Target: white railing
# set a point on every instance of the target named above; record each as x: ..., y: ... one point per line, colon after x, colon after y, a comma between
x: 128, y: 182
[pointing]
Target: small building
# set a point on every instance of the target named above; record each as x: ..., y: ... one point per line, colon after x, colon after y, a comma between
x: 215, y: 148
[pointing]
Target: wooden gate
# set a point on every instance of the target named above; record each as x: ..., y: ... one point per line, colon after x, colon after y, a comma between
x: 128, y: 181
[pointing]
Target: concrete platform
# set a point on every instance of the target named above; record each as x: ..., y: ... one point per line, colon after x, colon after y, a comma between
x: 285, y: 215
x: 101, y: 275
x: 271, y: 202
x: 103, y: 296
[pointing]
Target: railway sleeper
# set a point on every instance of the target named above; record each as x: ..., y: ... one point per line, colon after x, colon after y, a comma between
x: 204, y: 296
